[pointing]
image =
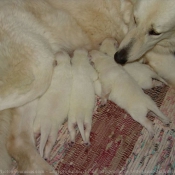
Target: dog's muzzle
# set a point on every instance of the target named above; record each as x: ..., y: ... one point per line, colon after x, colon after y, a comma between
x: 121, y: 56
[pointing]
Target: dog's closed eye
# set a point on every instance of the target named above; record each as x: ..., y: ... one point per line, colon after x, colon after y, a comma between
x: 153, y: 32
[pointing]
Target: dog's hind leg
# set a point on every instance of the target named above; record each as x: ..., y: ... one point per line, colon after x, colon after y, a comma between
x: 71, y: 127
x: 45, y: 131
x: 21, y: 144
x: 152, y: 106
x: 51, y: 141
x: 139, y: 115
x: 87, y: 131
x: 26, y: 74
x: 105, y: 92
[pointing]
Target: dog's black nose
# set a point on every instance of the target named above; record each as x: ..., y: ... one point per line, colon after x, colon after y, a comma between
x: 121, y: 56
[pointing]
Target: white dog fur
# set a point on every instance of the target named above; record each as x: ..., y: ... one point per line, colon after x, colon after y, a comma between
x: 119, y: 87
x: 82, y: 100
x: 31, y: 32
x: 152, y: 37
x: 5, y: 120
x: 142, y: 73
x: 53, y: 106
x: 21, y: 143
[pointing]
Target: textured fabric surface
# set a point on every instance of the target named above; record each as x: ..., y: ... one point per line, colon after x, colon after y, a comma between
x: 113, y: 137
x: 120, y: 145
x: 155, y: 156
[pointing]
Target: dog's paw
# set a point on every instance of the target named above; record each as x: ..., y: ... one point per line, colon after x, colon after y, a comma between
x: 103, y: 102
x: 166, y: 122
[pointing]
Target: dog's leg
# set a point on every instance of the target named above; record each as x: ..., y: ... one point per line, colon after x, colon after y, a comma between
x: 88, y: 126
x: 139, y: 115
x: 105, y: 92
x: 5, y: 159
x: 51, y: 141
x: 160, y: 115
x: 97, y: 85
x: 71, y: 128
x: 80, y: 124
x: 46, y: 128
x: 21, y: 144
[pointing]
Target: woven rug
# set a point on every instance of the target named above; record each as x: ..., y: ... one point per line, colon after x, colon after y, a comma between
x: 119, y: 145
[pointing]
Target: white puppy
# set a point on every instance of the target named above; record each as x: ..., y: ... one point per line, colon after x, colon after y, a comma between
x: 83, y: 95
x: 54, y: 104
x: 142, y: 73
x: 121, y: 88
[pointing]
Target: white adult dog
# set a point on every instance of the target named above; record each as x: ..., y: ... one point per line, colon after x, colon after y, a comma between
x: 142, y: 73
x: 82, y: 101
x: 119, y: 87
x: 31, y: 32
x: 53, y: 106
x: 151, y: 29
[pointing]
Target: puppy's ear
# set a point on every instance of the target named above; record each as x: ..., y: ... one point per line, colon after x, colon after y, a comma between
x: 116, y: 45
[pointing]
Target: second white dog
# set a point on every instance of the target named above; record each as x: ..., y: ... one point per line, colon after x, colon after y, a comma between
x: 119, y: 87
x: 53, y: 106
x: 82, y: 96
x: 142, y: 73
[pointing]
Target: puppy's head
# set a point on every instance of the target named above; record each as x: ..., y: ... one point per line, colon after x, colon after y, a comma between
x: 152, y: 23
x: 98, y: 59
x: 109, y: 46
x: 61, y: 57
x: 80, y: 55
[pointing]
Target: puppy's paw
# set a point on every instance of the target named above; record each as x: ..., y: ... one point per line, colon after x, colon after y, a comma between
x: 166, y: 122
x: 103, y: 102
x: 151, y: 135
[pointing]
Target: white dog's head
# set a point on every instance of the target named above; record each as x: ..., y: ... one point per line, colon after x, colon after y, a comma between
x: 109, y: 46
x: 152, y: 23
x: 62, y: 57
x: 80, y: 55
x: 100, y: 60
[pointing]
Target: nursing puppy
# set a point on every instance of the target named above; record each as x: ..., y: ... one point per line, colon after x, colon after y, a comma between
x: 53, y: 106
x: 141, y: 73
x: 82, y: 100
x: 151, y: 33
x: 119, y: 87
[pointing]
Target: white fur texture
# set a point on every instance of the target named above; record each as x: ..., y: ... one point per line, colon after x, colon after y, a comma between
x: 151, y: 34
x: 31, y: 32
x: 53, y: 106
x: 142, y: 73
x: 82, y: 100
x: 21, y: 144
x: 119, y: 87
x: 6, y: 161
